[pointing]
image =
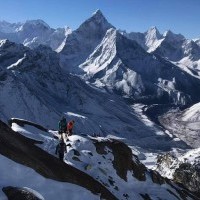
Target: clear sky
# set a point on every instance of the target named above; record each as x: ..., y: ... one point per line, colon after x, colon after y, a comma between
x: 180, y: 16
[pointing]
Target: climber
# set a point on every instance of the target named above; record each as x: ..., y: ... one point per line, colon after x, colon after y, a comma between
x: 61, y: 149
x: 62, y: 125
x: 70, y: 126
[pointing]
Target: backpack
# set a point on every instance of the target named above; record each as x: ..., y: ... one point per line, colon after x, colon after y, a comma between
x: 62, y: 124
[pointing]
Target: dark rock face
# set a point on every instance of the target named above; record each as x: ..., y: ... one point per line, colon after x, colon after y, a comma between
x: 22, y: 150
x: 185, y: 174
x: 123, y: 159
x: 157, y: 178
x: 16, y: 193
x: 188, y: 175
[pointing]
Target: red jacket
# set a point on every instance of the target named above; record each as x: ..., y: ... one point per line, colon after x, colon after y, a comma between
x: 70, y: 125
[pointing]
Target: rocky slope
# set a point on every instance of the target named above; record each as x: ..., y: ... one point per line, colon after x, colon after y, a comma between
x: 183, y: 168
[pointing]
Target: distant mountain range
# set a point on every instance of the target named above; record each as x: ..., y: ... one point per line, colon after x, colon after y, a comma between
x: 176, y: 48
x: 142, y: 67
x: 33, y: 33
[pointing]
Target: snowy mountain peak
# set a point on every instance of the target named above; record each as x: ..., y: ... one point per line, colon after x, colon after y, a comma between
x: 38, y: 22
x: 152, y: 38
x: 169, y: 35
x: 97, y: 24
x: 153, y: 30
x: 32, y: 24
x: 96, y: 21
x: 82, y: 42
x: 153, y: 33
x: 97, y: 13
x: 98, y: 18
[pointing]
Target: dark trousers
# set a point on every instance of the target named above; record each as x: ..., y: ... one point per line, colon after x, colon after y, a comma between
x: 69, y: 132
x: 61, y: 156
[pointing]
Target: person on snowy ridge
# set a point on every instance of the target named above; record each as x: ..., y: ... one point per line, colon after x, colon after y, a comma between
x: 61, y: 149
x: 62, y: 126
x: 70, y: 126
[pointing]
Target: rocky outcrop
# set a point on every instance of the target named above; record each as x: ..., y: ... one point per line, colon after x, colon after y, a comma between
x: 125, y: 162
x: 16, y: 193
x: 188, y: 175
x: 123, y: 159
x: 180, y: 170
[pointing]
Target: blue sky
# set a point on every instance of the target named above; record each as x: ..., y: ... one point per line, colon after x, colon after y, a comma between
x: 180, y: 16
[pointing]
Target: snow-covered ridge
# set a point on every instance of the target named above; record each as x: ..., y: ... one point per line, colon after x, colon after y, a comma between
x: 37, y: 22
x: 36, y: 169
x: 111, y: 163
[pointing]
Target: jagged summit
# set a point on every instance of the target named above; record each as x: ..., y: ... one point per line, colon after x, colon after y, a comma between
x: 37, y: 22
x: 172, y: 36
x: 97, y: 13
x: 153, y: 32
x: 113, y: 32
x: 98, y: 16
x: 153, y: 28
x: 97, y: 20
x: 33, y: 26
x: 152, y: 37
x: 82, y: 42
